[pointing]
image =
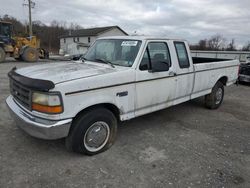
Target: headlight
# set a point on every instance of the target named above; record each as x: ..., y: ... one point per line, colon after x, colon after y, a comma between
x: 49, y: 103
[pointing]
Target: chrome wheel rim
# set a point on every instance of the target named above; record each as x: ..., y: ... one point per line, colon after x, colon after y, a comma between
x: 218, y: 96
x: 96, y: 136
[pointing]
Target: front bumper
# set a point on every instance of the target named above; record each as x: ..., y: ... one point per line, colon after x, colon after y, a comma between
x: 244, y: 78
x: 35, y: 126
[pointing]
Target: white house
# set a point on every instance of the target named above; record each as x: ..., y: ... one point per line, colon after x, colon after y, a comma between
x: 78, y: 41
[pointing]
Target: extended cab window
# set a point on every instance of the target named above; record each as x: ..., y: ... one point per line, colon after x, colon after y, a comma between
x: 182, y: 54
x: 155, y: 52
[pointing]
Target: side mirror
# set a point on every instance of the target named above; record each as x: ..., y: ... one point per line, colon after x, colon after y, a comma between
x: 159, y: 66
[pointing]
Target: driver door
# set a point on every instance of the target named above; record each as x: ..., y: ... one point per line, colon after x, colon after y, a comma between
x: 154, y: 90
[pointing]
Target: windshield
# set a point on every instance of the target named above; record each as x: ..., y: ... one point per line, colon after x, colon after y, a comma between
x: 5, y: 29
x: 115, y: 51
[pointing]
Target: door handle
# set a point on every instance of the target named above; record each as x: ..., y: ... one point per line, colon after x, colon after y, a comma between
x: 171, y: 73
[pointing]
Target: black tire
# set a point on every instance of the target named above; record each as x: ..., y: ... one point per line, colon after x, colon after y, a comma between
x: 30, y: 54
x: 19, y: 58
x: 43, y: 54
x: 76, y: 140
x: 46, y: 55
x: 215, y: 98
x: 2, y: 55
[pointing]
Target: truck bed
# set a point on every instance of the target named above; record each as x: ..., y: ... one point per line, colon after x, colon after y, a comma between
x: 207, y: 73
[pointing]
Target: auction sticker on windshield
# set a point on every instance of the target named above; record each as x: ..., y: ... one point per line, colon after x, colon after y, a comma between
x: 129, y: 43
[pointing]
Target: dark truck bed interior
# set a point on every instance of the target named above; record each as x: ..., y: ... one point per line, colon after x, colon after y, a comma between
x: 197, y: 60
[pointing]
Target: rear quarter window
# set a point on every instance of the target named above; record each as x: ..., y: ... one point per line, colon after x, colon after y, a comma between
x: 182, y: 54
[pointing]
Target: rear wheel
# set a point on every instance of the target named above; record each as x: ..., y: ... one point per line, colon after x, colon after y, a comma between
x: 215, y: 98
x: 43, y: 54
x: 93, y: 132
x: 30, y: 55
x: 2, y: 55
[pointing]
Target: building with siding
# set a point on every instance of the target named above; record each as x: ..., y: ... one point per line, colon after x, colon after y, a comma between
x: 78, y: 41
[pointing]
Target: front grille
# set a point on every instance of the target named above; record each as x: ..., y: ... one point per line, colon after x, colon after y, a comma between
x: 245, y: 69
x: 20, y: 93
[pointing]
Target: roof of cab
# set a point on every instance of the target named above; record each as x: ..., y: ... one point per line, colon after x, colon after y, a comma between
x: 140, y: 38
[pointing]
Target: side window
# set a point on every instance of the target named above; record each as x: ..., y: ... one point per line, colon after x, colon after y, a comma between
x: 155, y: 52
x: 182, y: 54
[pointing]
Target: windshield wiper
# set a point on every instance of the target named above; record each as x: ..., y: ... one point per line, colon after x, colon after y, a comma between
x: 83, y: 59
x: 105, y: 61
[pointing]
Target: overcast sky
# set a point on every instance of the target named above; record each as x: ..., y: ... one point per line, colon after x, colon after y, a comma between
x: 188, y: 19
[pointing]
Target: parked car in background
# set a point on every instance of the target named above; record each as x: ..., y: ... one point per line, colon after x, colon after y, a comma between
x: 120, y: 78
x: 248, y: 60
x: 244, y: 72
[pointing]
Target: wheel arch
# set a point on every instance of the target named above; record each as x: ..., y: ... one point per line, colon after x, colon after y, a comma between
x: 223, y: 80
x: 113, y: 108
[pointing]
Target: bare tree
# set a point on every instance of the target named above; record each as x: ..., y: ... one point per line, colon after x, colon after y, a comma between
x: 216, y: 42
x: 74, y: 26
x: 203, y: 44
x: 231, y: 46
x: 246, y: 47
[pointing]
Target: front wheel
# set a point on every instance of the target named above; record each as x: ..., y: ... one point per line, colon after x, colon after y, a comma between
x: 93, y: 132
x: 30, y: 54
x: 215, y: 98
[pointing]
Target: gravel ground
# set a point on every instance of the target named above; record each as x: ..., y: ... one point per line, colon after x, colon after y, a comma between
x: 183, y: 146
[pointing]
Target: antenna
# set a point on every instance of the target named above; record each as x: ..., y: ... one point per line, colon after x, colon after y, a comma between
x: 31, y: 5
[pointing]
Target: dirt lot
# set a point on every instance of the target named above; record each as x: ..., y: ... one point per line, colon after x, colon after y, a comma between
x: 183, y: 146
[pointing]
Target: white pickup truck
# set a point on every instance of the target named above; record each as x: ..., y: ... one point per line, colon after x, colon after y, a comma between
x: 120, y: 78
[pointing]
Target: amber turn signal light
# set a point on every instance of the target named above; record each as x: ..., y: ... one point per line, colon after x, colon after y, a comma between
x: 47, y: 109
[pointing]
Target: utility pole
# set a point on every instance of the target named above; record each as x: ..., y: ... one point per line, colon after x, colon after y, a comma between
x: 31, y: 5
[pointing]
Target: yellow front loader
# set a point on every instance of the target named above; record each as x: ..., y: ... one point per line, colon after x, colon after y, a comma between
x: 21, y: 48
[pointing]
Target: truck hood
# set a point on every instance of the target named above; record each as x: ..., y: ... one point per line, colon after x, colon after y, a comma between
x: 66, y: 71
